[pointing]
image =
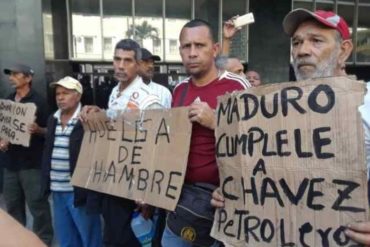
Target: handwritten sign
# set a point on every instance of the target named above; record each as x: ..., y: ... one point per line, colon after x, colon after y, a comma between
x: 292, y: 167
x: 142, y: 155
x: 14, y: 119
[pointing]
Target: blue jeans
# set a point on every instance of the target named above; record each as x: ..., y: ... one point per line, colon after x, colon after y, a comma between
x: 170, y: 239
x: 73, y: 226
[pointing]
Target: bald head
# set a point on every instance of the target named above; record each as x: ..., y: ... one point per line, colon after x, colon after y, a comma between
x: 234, y: 65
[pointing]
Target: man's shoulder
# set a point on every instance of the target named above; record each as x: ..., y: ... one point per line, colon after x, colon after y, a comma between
x: 182, y: 84
x: 36, y: 97
x: 158, y: 87
x: 143, y: 96
x: 11, y: 96
x: 144, y: 89
x: 234, y: 79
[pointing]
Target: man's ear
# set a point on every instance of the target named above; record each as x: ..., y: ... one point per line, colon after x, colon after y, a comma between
x: 345, y: 51
x: 216, y: 49
x: 28, y: 78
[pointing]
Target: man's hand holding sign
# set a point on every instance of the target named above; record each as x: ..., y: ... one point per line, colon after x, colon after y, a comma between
x: 141, y: 154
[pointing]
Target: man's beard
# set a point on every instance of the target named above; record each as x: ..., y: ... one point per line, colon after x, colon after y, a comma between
x: 325, y: 68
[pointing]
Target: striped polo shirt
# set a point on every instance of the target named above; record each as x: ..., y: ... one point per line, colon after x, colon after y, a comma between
x: 60, y: 174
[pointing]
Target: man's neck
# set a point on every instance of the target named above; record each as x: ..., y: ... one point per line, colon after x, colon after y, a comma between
x: 124, y: 84
x: 21, y: 92
x: 66, y: 115
x: 205, y: 79
x: 146, y: 80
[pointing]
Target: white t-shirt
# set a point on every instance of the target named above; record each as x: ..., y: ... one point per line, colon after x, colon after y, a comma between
x: 162, y: 92
x: 137, y: 95
x: 365, y: 113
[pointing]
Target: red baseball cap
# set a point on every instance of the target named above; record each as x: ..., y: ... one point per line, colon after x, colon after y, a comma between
x: 295, y: 17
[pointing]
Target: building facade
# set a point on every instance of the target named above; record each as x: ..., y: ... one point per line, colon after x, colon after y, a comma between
x: 77, y: 37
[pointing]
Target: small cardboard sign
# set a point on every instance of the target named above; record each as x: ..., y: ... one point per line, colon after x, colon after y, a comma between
x: 14, y: 119
x: 292, y: 164
x: 140, y: 155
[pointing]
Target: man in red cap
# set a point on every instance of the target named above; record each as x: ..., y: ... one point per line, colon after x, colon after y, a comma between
x: 321, y: 43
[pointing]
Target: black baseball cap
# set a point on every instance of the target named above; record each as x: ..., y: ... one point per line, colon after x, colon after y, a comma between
x: 21, y: 68
x: 145, y: 55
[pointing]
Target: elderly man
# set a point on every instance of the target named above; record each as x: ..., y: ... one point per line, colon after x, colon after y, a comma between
x: 73, y: 225
x: 146, y: 71
x: 231, y: 64
x: 130, y: 93
x: 321, y: 44
x: 22, y: 176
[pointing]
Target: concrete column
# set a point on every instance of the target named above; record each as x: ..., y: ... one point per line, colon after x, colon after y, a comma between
x: 21, y: 40
x: 269, y: 47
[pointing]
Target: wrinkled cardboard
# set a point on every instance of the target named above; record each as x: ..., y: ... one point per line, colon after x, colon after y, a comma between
x: 152, y: 144
x: 14, y: 120
x: 315, y: 220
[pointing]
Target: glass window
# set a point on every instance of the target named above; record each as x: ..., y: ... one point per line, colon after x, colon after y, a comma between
x: 117, y: 19
x: 157, y: 46
x: 363, y: 35
x: 208, y: 10
x: 89, y: 44
x: 178, y: 13
x: 327, y: 5
x: 107, y: 44
x: 47, y: 19
x: 303, y: 5
x: 173, y: 46
x: 148, y: 24
x: 347, y: 12
x: 239, y: 45
x: 346, y: 2
x: 86, y: 29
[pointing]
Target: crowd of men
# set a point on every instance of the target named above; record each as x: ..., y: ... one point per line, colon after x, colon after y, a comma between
x: 321, y: 43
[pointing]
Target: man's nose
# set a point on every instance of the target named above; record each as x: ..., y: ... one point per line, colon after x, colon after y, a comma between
x: 193, y: 51
x: 304, y: 49
x: 121, y: 65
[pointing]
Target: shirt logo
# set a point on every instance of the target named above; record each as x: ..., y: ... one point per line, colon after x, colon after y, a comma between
x: 188, y: 233
x: 333, y: 20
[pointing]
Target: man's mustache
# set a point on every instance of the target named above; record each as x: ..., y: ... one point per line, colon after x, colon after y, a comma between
x: 301, y: 62
x: 120, y: 74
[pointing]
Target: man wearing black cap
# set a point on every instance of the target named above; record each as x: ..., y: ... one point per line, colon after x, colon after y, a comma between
x: 146, y: 71
x: 22, y: 176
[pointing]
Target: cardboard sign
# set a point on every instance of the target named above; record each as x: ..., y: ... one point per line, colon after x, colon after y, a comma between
x: 292, y: 164
x: 141, y: 155
x: 14, y: 119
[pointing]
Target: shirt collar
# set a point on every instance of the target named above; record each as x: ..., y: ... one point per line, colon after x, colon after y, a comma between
x: 74, y: 116
x: 135, y: 82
